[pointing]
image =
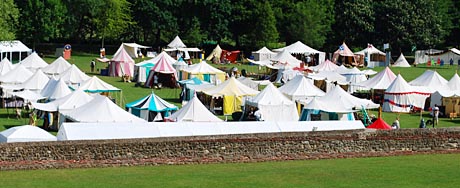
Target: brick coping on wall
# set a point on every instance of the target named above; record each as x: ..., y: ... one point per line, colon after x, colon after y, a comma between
x: 228, y: 148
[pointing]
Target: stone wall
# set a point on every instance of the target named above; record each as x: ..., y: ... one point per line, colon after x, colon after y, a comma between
x: 228, y: 148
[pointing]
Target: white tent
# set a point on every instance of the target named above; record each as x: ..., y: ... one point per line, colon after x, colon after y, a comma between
x: 131, y: 48
x: 36, y: 82
x: 401, y: 97
x: 176, y: 43
x: 28, y: 95
x: 285, y: 60
x: 33, y: 62
x: 101, y: 109
x: 430, y: 79
x: 300, y: 88
x: 375, y: 56
x: 354, y: 76
x: 263, y: 63
x: 121, y: 64
x: 66, y: 103
x: 96, y: 85
x: 436, y: 99
x: 16, y: 76
x: 10, y: 47
x: 423, y: 56
x: 193, y: 111
x: 350, y: 101
x: 301, y: 48
x: 454, y: 82
x: 55, y: 89
x: 57, y: 66
x: 5, y: 66
x: 263, y: 54
x: 216, y: 52
x: 325, y: 66
x: 401, y: 61
x: 249, y: 82
x: 73, y: 76
x: 380, y: 81
x: 273, y: 105
x: 327, y: 111
x: 330, y: 77
x: 26, y: 133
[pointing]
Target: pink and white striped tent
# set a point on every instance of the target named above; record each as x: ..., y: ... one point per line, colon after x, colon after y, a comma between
x: 121, y: 64
x: 168, y: 73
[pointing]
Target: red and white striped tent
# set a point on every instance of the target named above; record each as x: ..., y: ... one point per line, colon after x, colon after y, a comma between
x: 167, y: 73
x: 121, y: 64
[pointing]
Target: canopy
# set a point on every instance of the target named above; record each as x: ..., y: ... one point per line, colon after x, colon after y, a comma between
x: 131, y: 48
x: 286, y: 60
x: 263, y: 54
x: 176, y: 43
x: 193, y: 111
x: 96, y: 85
x: 301, y: 48
x: 401, y: 62
x: 430, y: 79
x: 5, y: 66
x: 73, y: 76
x: 379, y: 124
x: 16, y: 76
x: 325, y: 66
x: 28, y: 95
x: 57, y: 66
x: 12, y: 46
x: 33, y: 62
x: 36, y: 82
x: 380, y: 81
x: 101, y: 109
x: 273, y: 105
x: 401, y: 97
x: 26, y: 133
x: 55, y: 89
x: 216, y: 53
x: 300, y: 88
x: 66, y: 103
x: 153, y: 103
x: 454, y: 82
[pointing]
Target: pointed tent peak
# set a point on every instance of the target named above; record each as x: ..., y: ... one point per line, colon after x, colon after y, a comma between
x: 95, y: 85
x: 122, y: 56
x: 265, y: 50
x: 176, y: 43
x: 231, y: 87
x: 379, y: 124
x: 194, y: 111
x: 33, y: 61
x: 17, y: 75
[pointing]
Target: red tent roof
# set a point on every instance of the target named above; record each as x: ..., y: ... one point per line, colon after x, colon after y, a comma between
x: 379, y: 124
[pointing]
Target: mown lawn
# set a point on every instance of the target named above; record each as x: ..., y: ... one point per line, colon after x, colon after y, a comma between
x: 401, y: 171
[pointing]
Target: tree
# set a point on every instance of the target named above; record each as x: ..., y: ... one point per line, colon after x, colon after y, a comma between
x: 265, y: 32
x: 8, y: 19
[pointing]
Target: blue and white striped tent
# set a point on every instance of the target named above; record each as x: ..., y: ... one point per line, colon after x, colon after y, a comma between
x: 150, y: 106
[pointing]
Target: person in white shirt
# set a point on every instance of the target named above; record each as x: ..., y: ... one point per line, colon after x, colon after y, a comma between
x: 396, y: 124
x: 435, y: 115
x: 258, y: 115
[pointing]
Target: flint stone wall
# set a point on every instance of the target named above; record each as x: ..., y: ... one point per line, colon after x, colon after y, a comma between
x: 228, y: 148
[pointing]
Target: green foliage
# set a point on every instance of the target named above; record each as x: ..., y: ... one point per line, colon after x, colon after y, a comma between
x: 8, y: 19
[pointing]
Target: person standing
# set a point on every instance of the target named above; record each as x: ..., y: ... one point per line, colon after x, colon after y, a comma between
x: 258, y: 114
x: 396, y: 124
x: 93, y: 64
x: 435, y: 115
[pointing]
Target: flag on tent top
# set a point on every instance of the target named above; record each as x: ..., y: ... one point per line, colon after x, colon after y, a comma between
x: 341, y: 48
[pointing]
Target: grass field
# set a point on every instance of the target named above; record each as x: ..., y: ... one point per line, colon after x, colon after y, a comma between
x: 401, y: 171
x: 130, y: 92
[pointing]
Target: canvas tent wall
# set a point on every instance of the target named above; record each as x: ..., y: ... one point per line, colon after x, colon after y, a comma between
x: 7, y: 48
x: 423, y: 56
x: 263, y: 54
x: 450, y: 99
x: 375, y: 57
x: 121, y: 64
x: 402, y: 97
x: 301, y: 48
x: 131, y: 48
x: 193, y: 111
x: 344, y: 55
x: 204, y: 72
x: 149, y: 106
x: 215, y: 54
x: 165, y: 72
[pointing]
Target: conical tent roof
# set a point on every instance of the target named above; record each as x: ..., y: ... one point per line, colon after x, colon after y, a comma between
x: 66, y: 103
x: 55, y: 89
x: 33, y: 62
x: 264, y: 50
x: 194, y: 111
x: 16, y: 76
x: 344, y: 51
x: 101, y: 109
x: 430, y: 79
x: 163, y: 66
x: 285, y: 59
x: 299, y: 88
x: 399, y: 85
x: 350, y: 101
x: 163, y: 55
x: 370, y: 50
x: 148, y: 62
x: 57, y: 66
x: 95, y: 85
x: 73, y: 75
x: 325, y: 66
x: 216, y: 52
x: 152, y: 103
x: 202, y: 68
x: 122, y: 56
x: 26, y: 133
x: 36, y: 82
x: 230, y: 87
x: 380, y: 81
x: 298, y: 48
x: 379, y: 124
x: 270, y: 95
x: 454, y: 82
x: 337, y: 107
x: 5, y: 66
x: 28, y: 95
x: 176, y: 43
x: 401, y: 62
x: 248, y: 82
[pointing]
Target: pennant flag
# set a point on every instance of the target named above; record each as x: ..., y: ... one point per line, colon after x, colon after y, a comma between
x: 414, y: 48
x: 341, y: 48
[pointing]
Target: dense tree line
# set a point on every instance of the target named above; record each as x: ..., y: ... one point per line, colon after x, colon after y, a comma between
x: 245, y: 24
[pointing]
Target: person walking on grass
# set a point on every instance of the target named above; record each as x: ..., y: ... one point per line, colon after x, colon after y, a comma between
x: 93, y: 64
x: 435, y: 115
